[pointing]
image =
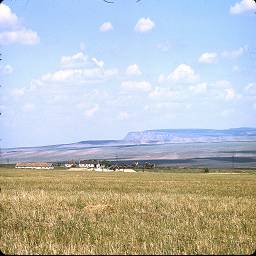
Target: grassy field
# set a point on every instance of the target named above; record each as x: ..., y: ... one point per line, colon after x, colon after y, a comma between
x: 64, y: 212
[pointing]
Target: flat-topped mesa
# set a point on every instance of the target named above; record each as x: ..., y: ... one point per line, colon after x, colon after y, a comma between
x: 191, y: 135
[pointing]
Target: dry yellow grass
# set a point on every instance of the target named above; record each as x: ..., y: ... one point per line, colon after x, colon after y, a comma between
x: 64, y: 212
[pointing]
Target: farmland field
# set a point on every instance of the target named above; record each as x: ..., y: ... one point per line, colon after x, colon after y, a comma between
x: 65, y: 212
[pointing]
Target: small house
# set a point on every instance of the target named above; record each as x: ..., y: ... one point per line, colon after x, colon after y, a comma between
x: 70, y: 164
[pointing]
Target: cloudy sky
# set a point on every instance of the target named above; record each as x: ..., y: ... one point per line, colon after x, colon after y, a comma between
x: 93, y: 70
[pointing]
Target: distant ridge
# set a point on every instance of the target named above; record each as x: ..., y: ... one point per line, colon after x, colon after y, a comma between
x: 190, y: 147
x: 191, y: 135
x: 160, y: 136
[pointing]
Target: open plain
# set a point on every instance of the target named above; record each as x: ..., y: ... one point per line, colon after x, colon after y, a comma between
x: 65, y: 212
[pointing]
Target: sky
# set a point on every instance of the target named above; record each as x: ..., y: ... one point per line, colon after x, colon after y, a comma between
x: 88, y: 70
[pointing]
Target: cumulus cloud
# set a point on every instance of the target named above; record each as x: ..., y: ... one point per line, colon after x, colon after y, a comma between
x: 12, y: 30
x: 6, y: 69
x: 223, y: 89
x: 106, y: 26
x: 76, y: 58
x: 235, y: 53
x: 99, y: 63
x: 22, y: 36
x: 144, y: 25
x: 183, y: 73
x: 80, y: 60
x: 78, y: 69
x: 8, y: 19
x: 133, y: 70
x: 137, y: 86
x: 243, y: 6
x: 208, y: 57
x: 165, y: 46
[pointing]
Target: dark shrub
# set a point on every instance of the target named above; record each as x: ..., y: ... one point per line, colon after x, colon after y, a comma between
x: 206, y: 170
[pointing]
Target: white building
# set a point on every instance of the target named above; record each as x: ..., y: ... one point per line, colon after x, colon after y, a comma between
x: 70, y: 164
x: 89, y: 164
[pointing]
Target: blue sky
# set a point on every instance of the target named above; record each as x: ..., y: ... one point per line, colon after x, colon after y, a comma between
x: 93, y: 70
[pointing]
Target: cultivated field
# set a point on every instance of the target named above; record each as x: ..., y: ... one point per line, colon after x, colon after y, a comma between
x: 65, y: 212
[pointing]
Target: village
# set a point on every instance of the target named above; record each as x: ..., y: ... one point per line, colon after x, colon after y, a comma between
x: 86, y: 165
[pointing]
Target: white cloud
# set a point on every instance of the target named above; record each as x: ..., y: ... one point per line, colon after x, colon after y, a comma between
x: 91, y: 111
x: 7, y: 18
x: 235, y: 53
x: 14, y: 31
x: 23, y: 36
x: 133, y: 70
x: 144, y: 25
x: 80, y: 60
x: 18, y: 92
x: 183, y: 73
x: 123, y: 115
x: 142, y: 86
x: 77, y: 58
x: 199, y: 88
x: 29, y: 107
x: 165, y: 46
x: 6, y: 69
x: 243, y: 6
x: 99, y: 63
x: 106, y: 26
x: 78, y: 69
x: 223, y: 89
x: 208, y: 57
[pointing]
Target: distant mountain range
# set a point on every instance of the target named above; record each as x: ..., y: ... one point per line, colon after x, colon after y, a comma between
x: 191, y: 135
x: 174, y: 145
x: 162, y: 136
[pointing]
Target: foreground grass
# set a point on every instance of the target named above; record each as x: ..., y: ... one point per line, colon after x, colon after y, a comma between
x: 63, y: 212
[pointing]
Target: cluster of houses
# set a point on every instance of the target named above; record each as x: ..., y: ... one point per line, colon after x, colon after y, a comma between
x: 87, y: 164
